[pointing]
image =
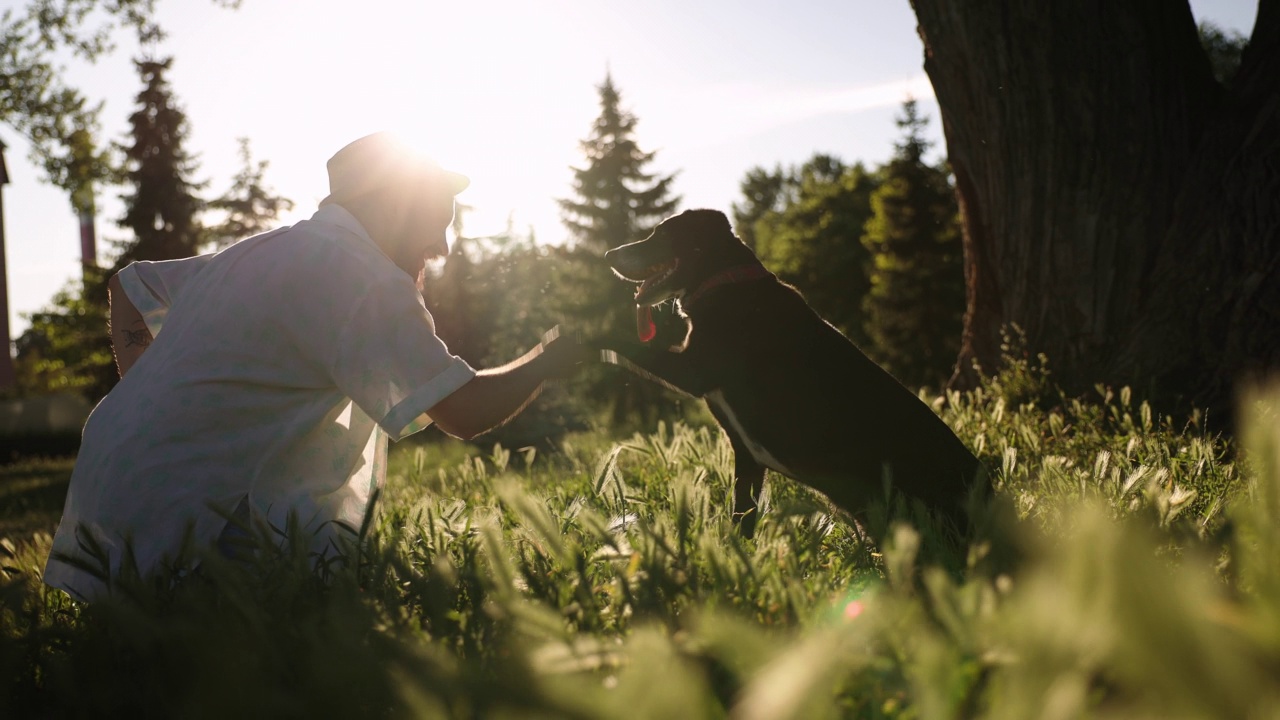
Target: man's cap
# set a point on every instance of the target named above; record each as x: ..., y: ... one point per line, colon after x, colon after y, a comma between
x: 384, y: 161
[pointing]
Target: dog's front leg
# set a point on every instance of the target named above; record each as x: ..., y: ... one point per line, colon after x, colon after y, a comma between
x: 748, y: 481
x: 678, y: 371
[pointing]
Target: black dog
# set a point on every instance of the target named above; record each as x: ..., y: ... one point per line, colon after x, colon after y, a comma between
x: 792, y: 393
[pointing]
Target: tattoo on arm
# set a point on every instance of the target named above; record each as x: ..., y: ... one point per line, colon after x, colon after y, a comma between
x: 141, y: 338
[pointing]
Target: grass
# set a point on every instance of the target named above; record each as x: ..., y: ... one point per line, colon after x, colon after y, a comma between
x: 31, y: 496
x: 605, y: 580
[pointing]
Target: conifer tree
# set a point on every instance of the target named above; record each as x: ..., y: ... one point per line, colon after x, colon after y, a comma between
x: 249, y: 207
x: 915, y: 305
x: 617, y: 201
x: 162, y: 208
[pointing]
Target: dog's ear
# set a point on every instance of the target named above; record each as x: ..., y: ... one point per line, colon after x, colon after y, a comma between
x: 708, y: 220
x: 722, y: 222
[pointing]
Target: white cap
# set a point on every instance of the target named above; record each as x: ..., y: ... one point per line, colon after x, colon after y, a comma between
x: 383, y: 160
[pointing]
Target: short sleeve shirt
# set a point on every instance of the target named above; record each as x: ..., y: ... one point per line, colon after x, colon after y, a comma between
x: 279, y: 369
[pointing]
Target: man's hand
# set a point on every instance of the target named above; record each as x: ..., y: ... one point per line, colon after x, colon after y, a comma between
x: 495, y: 396
x: 563, y: 355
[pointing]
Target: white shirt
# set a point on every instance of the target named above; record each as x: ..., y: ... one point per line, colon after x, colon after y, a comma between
x: 279, y: 367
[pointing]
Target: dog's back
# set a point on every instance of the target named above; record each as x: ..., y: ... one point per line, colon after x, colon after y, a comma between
x: 822, y: 409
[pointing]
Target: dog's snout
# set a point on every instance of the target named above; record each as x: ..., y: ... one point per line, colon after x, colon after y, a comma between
x: 625, y: 255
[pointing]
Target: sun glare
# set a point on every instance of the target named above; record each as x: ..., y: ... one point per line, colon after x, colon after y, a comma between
x: 488, y: 104
x: 501, y: 91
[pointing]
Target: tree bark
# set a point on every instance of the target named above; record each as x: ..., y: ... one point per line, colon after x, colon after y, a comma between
x: 1119, y: 205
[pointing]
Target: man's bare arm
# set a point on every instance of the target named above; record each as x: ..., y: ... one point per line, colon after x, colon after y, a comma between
x: 495, y: 396
x: 129, y: 334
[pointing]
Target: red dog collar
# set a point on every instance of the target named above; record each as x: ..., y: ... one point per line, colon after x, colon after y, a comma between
x: 738, y: 273
x: 645, y: 326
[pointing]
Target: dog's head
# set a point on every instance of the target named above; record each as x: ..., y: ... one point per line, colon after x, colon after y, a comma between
x: 683, y: 252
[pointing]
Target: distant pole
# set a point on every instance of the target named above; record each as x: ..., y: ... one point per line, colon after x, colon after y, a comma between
x: 7, y: 378
x: 88, y: 237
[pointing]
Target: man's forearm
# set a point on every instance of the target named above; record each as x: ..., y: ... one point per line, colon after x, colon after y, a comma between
x: 129, y: 333
x: 493, y: 397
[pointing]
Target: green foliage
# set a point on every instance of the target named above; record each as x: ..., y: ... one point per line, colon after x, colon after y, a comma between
x: 66, y: 346
x: 764, y: 192
x: 1224, y: 49
x: 806, y: 225
x: 605, y: 580
x: 915, y: 306
x: 877, y: 254
x: 34, y: 99
x: 491, y: 301
x: 249, y: 207
x: 617, y: 201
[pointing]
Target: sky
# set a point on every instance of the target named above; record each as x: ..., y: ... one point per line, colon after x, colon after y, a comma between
x: 502, y: 91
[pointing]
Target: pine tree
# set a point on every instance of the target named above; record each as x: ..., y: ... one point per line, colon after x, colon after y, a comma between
x: 249, y: 207
x: 617, y: 201
x: 915, y: 306
x: 163, y: 207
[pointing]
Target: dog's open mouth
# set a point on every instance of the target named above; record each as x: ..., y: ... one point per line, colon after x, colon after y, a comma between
x: 650, y: 292
x: 653, y: 277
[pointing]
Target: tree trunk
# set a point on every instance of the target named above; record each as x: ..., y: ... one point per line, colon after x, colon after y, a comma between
x: 1119, y: 205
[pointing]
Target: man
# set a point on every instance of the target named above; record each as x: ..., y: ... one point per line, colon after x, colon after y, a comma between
x: 280, y: 366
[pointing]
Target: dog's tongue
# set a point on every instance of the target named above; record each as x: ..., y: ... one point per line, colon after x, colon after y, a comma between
x: 644, y: 323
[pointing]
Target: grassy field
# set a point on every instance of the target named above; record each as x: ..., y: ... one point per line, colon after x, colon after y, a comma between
x: 606, y: 581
